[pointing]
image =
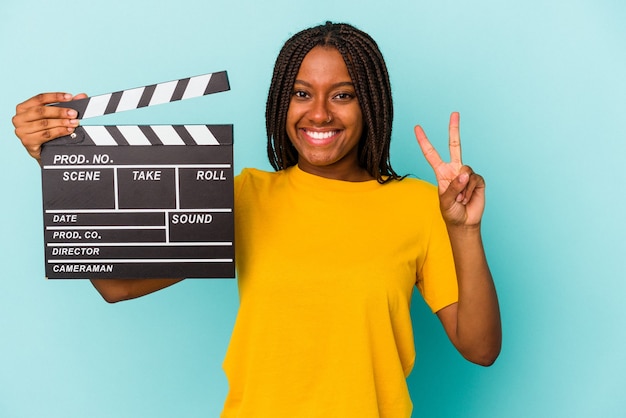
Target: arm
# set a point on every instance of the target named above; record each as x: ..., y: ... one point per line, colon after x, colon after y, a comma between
x: 117, y: 290
x: 36, y: 123
x: 473, y: 323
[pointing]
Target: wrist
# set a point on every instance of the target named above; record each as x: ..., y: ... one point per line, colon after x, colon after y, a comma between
x: 459, y: 228
x: 462, y: 235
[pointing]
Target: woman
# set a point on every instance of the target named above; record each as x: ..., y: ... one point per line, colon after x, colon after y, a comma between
x: 331, y: 245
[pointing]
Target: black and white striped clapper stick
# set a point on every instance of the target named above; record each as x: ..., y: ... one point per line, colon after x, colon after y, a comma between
x: 140, y: 201
x: 154, y: 94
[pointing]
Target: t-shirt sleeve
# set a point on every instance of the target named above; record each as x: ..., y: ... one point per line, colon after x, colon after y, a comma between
x: 239, y: 182
x: 437, y: 280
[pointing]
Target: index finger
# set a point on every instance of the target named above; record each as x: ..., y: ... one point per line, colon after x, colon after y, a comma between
x: 454, y: 139
x: 43, y: 99
x: 431, y: 154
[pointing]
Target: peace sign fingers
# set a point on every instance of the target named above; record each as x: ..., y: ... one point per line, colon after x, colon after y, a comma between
x: 444, y: 172
x: 461, y: 191
x: 431, y: 154
x: 454, y: 141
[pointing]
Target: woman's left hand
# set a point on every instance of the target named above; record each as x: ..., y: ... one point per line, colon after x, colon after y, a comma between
x: 461, y: 191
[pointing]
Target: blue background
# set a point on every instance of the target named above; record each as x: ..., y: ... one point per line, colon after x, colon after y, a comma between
x: 541, y: 87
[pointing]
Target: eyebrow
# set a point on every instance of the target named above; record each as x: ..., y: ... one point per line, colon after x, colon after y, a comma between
x: 340, y: 84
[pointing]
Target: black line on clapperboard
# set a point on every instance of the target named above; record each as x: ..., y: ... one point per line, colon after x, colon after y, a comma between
x: 152, y: 137
x: 180, y: 89
x: 184, y: 134
x: 146, y: 96
x: 117, y: 135
x: 114, y: 101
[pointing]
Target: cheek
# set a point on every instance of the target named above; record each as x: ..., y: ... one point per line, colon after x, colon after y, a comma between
x: 358, y: 123
x: 290, y: 123
x: 293, y: 116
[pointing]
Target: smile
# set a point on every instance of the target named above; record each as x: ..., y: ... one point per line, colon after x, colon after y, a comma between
x: 320, y: 135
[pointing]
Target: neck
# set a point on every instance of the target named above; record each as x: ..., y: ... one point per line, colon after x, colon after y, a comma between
x: 352, y: 174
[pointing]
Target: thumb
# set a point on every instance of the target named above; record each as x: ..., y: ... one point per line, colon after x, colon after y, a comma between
x: 456, y: 190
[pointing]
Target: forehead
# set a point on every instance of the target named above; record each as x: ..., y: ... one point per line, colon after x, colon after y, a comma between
x: 323, y: 63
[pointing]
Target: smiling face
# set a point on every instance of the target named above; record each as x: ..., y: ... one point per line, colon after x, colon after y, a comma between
x: 324, y: 119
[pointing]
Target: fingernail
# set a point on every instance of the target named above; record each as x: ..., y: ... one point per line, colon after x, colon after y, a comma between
x: 67, y: 96
x: 463, y: 177
x: 72, y: 113
x: 459, y: 197
x: 74, y: 122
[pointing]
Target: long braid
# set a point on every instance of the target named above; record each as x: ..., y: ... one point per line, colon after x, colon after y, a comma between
x: 368, y: 71
x: 281, y: 152
x: 374, y: 76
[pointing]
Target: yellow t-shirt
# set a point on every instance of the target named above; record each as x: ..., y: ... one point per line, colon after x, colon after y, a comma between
x: 326, y: 271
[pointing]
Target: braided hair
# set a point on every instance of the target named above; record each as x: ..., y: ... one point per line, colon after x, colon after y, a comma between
x: 368, y: 72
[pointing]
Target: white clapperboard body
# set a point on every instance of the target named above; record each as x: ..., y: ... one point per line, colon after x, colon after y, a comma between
x: 126, y: 201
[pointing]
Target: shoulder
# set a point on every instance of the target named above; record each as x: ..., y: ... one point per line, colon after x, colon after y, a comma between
x: 252, y: 172
x: 253, y: 180
x: 411, y: 196
x: 412, y: 186
x: 255, y: 173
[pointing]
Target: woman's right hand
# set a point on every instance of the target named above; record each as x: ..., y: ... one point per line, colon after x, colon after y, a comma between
x: 36, y: 123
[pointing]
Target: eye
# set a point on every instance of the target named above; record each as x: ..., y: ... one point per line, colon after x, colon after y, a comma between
x: 300, y: 94
x: 344, y: 96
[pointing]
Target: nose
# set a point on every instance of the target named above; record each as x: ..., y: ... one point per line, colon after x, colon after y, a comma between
x: 320, y: 112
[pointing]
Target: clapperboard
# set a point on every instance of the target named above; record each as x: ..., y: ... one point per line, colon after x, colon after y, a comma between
x: 126, y: 201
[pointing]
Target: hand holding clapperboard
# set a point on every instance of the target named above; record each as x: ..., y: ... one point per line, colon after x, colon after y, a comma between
x: 124, y: 201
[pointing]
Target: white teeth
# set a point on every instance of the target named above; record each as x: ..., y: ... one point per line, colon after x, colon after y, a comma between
x: 320, y: 135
